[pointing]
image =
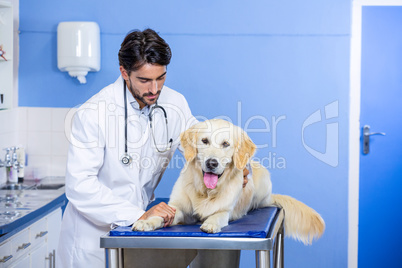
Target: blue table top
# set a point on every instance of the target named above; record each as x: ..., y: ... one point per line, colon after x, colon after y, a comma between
x: 256, y: 224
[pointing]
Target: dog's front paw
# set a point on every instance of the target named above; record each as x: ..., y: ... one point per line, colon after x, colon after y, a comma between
x: 210, y: 228
x: 143, y: 225
x: 150, y: 224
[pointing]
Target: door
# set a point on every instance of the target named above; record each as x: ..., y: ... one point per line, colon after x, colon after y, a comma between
x: 380, y: 198
x: 54, y: 227
x: 38, y: 257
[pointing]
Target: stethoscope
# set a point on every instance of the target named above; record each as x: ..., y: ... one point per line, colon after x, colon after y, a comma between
x: 126, y: 159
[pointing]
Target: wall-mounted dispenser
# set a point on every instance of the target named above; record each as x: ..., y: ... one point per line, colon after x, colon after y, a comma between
x: 78, y: 48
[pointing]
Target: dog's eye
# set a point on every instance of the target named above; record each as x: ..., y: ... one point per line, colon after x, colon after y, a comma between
x: 225, y: 144
x: 205, y: 141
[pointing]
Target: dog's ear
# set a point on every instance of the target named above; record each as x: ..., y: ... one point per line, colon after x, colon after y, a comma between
x: 244, y: 150
x: 188, y: 140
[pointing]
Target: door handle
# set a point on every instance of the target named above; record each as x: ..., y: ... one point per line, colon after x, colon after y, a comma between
x: 52, y: 259
x: 366, y: 138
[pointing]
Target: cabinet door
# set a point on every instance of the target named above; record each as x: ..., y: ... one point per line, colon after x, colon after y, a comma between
x: 5, y: 254
x: 20, y: 244
x: 53, y: 227
x: 22, y: 263
x: 38, y: 257
x: 38, y: 232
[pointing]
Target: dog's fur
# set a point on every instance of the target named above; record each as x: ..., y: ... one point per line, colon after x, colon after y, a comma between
x: 232, y: 149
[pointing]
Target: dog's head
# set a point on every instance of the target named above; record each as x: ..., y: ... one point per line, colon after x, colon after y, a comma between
x: 216, y: 144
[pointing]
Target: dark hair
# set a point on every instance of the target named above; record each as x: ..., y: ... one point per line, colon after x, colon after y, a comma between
x: 140, y: 48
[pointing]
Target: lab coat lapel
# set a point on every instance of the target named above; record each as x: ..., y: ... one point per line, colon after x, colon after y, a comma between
x: 134, y: 150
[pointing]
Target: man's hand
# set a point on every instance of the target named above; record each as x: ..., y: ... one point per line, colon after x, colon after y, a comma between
x: 245, y: 174
x: 161, y: 210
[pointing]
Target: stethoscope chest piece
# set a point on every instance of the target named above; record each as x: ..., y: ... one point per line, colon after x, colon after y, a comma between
x: 126, y: 159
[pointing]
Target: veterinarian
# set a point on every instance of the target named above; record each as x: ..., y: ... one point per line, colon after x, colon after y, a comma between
x: 121, y: 142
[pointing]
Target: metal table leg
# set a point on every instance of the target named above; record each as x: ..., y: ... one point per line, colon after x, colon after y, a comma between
x: 278, y: 254
x: 262, y: 258
x: 112, y: 258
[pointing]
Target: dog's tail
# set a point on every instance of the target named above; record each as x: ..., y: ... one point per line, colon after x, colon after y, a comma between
x: 301, y: 222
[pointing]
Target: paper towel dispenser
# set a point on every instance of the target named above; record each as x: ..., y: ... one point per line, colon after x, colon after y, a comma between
x: 78, y: 48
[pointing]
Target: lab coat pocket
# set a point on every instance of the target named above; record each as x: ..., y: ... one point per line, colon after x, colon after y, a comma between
x: 161, y: 162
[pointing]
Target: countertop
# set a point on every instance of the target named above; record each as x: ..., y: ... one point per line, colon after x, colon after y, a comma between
x: 21, y: 208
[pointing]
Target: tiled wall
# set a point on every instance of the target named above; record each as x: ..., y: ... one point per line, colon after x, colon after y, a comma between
x: 8, y: 129
x: 41, y: 131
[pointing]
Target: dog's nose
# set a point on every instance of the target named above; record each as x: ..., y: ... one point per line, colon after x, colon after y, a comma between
x: 211, y: 163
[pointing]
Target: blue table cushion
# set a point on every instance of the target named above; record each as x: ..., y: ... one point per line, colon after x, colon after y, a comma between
x: 256, y: 224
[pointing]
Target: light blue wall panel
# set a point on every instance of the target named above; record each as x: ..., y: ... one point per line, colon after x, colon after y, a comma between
x: 195, y: 17
x: 273, y: 78
x: 41, y: 84
x: 258, y: 63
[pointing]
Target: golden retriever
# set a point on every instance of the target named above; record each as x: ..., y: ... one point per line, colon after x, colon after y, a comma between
x: 210, y: 186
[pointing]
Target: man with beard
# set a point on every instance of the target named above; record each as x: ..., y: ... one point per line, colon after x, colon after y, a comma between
x: 121, y: 141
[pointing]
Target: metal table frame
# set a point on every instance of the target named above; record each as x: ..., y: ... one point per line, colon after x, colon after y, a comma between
x: 274, y: 242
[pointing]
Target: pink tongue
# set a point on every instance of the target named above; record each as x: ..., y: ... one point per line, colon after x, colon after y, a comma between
x: 210, y: 180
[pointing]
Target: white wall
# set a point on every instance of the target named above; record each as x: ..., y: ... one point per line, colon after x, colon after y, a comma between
x: 41, y: 132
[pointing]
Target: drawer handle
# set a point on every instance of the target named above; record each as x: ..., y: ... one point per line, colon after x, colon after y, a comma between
x: 41, y: 234
x: 23, y: 246
x: 6, y: 258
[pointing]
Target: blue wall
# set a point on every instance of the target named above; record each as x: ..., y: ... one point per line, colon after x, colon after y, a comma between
x: 258, y: 63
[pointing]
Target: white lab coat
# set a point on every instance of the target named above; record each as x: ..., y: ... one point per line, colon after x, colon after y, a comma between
x: 103, y: 192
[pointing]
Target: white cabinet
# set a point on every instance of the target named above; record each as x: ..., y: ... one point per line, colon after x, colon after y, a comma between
x: 38, y: 257
x: 6, y: 54
x: 22, y: 262
x: 5, y: 254
x: 54, y: 228
x: 34, y: 246
x: 38, y: 232
x: 20, y: 244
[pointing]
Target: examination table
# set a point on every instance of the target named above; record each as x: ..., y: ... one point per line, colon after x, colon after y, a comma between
x: 260, y: 230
